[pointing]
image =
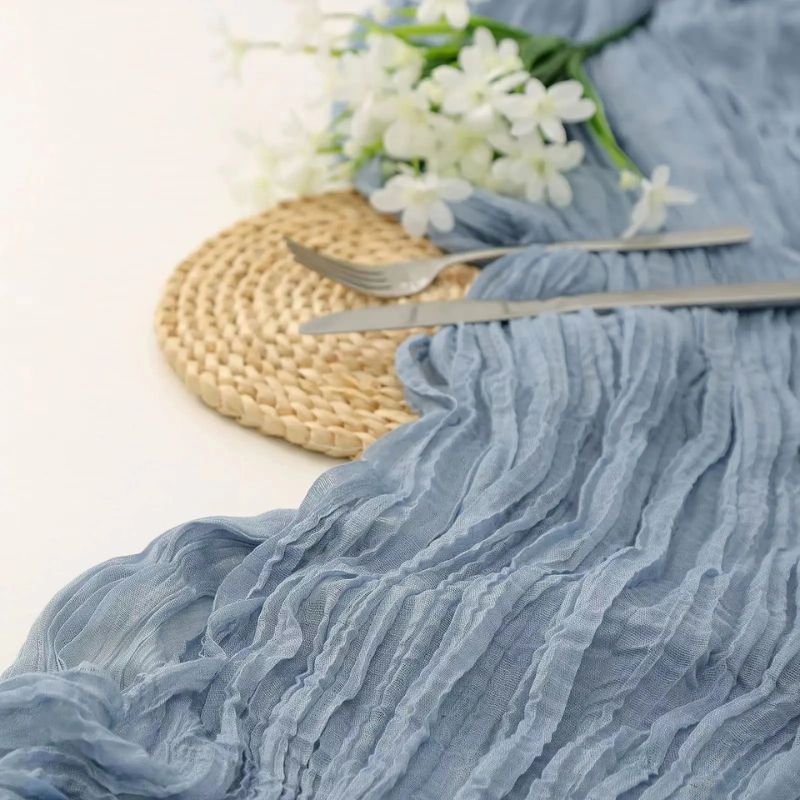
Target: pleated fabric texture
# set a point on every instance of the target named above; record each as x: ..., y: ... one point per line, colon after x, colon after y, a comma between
x: 576, y: 576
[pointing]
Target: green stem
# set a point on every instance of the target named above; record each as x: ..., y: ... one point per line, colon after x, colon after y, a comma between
x: 507, y: 31
x: 594, y: 46
x: 411, y: 31
x: 449, y: 48
x: 599, y: 124
x: 441, y: 53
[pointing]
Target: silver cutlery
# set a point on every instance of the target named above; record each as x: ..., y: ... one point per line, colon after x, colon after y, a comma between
x: 741, y: 296
x: 406, y: 278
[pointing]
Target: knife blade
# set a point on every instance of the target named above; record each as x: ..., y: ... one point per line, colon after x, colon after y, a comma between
x: 398, y: 316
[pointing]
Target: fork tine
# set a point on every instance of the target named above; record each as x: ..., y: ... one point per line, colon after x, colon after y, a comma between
x: 352, y: 275
x: 361, y: 283
x: 314, y: 259
x: 363, y: 286
x: 371, y: 276
x: 362, y: 278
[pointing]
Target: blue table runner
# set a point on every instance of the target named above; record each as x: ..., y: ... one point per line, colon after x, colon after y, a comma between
x: 576, y: 576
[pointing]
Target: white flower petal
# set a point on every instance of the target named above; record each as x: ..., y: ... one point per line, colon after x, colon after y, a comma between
x: 455, y: 189
x: 398, y: 140
x: 503, y: 143
x: 457, y: 14
x: 514, y: 106
x: 484, y: 40
x: 558, y: 189
x: 577, y: 111
x: 381, y: 12
x: 447, y: 75
x: 566, y: 157
x: 481, y: 118
x: 429, y: 11
x: 656, y: 218
x: 457, y: 102
x: 386, y: 200
x: 524, y: 127
x: 553, y: 130
x: 675, y: 196
x: 415, y: 220
x: 660, y: 175
x: 508, y: 50
x: 566, y: 91
x: 471, y: 60
x: 442, y: 217
x: 535, y: 188
x: 639, y: 215
x: 509, y: 82
x: 535, y: 89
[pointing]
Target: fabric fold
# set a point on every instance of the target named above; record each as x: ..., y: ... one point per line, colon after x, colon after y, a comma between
x: 576, y: 576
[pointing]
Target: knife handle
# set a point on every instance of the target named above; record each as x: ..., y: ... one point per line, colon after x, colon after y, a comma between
x: 675, y: 240
x: 741, y: 296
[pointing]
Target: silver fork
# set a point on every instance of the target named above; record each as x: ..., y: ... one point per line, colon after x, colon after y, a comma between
x: 406, y: 278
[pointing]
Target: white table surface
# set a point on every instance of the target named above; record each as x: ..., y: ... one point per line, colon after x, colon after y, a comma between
x: 116, y: 125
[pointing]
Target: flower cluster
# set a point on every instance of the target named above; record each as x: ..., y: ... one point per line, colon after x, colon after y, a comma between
x: 449, y: 102
x: 482, y: 121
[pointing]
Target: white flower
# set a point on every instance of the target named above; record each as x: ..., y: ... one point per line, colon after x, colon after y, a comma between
x: 474, y: 93
x: 396, y: 57
x: 308, y: 24
x: 456, y: 12
x: 534, y: 169
x: 410, y: 131
x: 304, y: 176
x: 548, y: 109
x: 629, y: 180
x: 304, y: 167
x: 232, y: 51
x: 363, y: 131
x: 380, y: 12
x: 487, y: 55
x: 255, y: 183
x: 387, y: 65
x: 422, y: 200
x: 650, y: 212
x: 309, y: 28
x: 464, y: 151
x: 298, y: 165
x: 433, y: 91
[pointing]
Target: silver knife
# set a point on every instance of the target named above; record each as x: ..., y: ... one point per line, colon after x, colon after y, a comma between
x: 741, y: 296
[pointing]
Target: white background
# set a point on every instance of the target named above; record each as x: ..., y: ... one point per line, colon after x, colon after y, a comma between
x: 116, y: 126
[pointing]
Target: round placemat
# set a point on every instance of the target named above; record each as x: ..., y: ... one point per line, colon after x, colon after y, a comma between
x: 228, y: 323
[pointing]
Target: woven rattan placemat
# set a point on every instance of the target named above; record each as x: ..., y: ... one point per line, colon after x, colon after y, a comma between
x: 228, y: 324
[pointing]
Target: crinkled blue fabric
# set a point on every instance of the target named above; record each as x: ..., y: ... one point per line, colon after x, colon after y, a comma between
x: 576, y: 576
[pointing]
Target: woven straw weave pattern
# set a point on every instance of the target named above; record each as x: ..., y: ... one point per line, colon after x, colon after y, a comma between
x: 228, y: 324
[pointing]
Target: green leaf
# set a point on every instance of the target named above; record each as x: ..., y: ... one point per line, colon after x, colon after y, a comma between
x: 552, y: 68
x: 596, y: 45
x: 499, y: 29
x: 536, y: 48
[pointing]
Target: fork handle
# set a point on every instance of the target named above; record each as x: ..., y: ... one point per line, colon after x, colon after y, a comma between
x: 477, y: 256
x: 677, y: 240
